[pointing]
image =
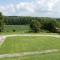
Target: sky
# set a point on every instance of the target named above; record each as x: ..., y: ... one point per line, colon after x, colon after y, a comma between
x: 39, y: 8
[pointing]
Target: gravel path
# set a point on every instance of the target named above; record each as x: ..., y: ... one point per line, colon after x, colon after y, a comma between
x: 27, y: 53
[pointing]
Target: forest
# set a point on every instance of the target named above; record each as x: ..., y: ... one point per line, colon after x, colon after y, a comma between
x: 24, y: 20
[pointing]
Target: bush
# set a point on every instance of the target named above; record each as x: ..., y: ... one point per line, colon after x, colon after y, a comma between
x: 14, y: 30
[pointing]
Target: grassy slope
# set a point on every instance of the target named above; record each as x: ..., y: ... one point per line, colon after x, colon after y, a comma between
x: 23, y: 44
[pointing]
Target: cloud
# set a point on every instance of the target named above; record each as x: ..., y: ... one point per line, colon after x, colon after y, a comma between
x: 36, y: 7
x: 25, y: 6
x: 51, y: 4
x: 22, y: 6
x: 46, y: 4
x: 7, y: 9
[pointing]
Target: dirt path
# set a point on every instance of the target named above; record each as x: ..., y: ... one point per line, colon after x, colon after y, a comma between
x: 27, y: 53
x: 2, y: 39
x: 57, y: 36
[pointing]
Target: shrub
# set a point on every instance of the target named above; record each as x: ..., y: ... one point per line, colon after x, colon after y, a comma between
x: 14, y: 30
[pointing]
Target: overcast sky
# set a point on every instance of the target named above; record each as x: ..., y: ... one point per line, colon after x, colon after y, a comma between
x: 43, y: 8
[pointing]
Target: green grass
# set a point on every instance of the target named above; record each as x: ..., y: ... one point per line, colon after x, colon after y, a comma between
x: 24, y: 44
x: 27, y: 44
x: 8, y: 29
x: 51, y: 56
x: 19, y: 29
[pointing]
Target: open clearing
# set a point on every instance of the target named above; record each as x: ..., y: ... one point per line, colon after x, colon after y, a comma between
x: 30, y: 44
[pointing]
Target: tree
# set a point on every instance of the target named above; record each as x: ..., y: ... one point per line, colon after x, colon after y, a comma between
x: 49, y: 25
x: 35, y: 26
x: 1, y: 22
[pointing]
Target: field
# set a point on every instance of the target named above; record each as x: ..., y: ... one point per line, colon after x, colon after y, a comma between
x: 20, y: 29
x: 21, y: 44
x: 8, y: 29
x: 29, y: 44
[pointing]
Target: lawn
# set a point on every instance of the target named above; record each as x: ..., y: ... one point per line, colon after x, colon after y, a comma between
x: 51, y: 56
x: 27, y: 44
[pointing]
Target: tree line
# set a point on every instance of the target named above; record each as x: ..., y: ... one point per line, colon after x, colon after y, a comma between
x: 18, y: 20
x: 49, y: 25
x: 23, y: 20
x: 35, y: 23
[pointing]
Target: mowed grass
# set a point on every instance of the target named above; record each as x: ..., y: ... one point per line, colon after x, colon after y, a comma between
x: 51, y: 56
x: 28, y: 44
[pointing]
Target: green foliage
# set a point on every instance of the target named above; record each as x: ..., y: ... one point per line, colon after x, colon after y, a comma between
x: 1, y: 22
x: 0, y: 14
x: 24, y: 20
x: 45, y: 22
x: 17, y: 20
x: 14, y: 30
x: 49, y: 25
x: 35, y: 26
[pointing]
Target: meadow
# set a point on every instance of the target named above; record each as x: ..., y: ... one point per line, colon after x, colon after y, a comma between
x: 13, y: 29
x: 20, y: 29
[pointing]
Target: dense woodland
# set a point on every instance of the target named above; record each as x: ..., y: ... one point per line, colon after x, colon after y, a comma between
x: 21, y: 20
x: 35, y: 23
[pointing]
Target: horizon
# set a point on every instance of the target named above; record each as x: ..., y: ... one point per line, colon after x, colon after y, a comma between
x: 29, y: 16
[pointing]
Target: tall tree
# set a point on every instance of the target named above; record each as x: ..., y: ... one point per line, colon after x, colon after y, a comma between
x: 1, y: 22
x: 35, y: 26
